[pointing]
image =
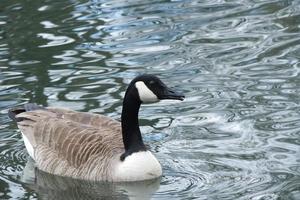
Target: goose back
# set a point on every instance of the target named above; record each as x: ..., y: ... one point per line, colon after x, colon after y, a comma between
x: 74, y: 144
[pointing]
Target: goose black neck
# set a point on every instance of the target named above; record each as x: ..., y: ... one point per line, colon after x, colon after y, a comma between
x: 131, y: 133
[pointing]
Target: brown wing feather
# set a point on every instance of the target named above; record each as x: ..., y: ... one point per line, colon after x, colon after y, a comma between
x: 90, y: 119
x: 72, y: 143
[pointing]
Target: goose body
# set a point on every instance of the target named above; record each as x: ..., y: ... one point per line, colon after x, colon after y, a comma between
x: 92, y: 146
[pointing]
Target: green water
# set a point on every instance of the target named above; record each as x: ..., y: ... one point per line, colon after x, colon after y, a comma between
x: 237, y: 134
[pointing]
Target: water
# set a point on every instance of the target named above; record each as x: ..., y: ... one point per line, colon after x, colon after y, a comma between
x: 236, y: 136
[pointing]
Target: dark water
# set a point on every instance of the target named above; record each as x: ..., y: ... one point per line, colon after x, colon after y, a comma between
x: 237, y: 134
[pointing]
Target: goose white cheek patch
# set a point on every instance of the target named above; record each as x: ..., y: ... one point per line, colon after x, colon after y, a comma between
x: 145, y: 94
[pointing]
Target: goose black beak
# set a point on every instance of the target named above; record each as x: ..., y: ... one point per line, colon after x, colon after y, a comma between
x: 170, y: 94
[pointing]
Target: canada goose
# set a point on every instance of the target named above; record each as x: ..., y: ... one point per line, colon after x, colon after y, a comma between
x: 92, y: 146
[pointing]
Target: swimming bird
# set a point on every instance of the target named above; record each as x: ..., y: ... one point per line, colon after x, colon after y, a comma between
x: 92, y: 146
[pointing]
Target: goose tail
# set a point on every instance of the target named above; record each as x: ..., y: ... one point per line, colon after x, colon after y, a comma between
x: 13, y: 112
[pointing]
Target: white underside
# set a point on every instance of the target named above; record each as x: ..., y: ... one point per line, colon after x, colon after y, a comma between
x: 28, y: 146
x: 138, y: 166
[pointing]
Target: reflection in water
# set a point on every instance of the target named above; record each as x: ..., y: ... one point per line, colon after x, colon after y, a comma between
x: 236, y: 136
x: 55, y: 187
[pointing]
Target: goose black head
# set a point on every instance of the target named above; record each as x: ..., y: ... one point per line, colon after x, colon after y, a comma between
x: 151, y: 89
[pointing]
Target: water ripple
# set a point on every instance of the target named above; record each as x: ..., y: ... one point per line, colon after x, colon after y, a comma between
x: 55, y: 40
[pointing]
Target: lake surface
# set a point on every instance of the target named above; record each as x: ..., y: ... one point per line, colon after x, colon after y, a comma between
x: 237, y: 134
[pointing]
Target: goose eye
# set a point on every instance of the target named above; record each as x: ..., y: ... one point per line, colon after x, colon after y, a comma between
x: 151, y: 82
